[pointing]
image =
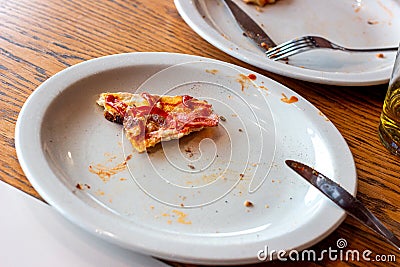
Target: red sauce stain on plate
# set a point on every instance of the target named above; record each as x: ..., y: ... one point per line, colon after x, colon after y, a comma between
x: 291, y: 100
x: 252, y: 76
x: 246, y: 80
x: 105, y: 172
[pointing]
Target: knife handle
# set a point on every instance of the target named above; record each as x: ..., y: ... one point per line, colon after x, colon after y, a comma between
x: 352, y: 206
x: 364, y: 215
x: 343, y: 199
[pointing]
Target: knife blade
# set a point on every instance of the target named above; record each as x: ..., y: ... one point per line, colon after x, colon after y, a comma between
x: 250, y: 28
x: 343, y: 199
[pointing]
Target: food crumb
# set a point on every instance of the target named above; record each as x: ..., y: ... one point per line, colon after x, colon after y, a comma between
x: 110, y: 156
x: 191, y: 166
x: 380, y: 55
x: 292, y: 99
x: 373, y: 22
x: 212, y: 71
x: 81, y: 187
x: 323, y: 115
x: 152, y: 207
x: 181, y: 217
x: 241, y: 176
x: 266, y: 206
x: 264, y: 45
x: 240, y: 130
x: 100, y: 193
x: 248, y: 204
x: 222, y: 118
x: 189, y: 152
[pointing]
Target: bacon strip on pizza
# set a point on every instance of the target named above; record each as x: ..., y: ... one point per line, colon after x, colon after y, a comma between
x: 149, y: 119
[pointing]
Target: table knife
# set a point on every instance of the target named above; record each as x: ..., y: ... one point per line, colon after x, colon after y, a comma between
x: 251, y: 29
x: 343, y: 199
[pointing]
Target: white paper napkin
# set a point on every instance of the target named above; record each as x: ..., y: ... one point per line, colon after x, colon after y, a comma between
x: 33, y: 234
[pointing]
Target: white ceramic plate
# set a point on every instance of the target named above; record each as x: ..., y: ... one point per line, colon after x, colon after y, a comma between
x: 184, y: 200
x: 358, y: 24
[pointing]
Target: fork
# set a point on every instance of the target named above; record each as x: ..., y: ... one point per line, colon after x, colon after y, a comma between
x: 302, y: 44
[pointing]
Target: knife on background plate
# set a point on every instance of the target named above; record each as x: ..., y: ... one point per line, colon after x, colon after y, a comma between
x: 343, y: 199
x: 250, y: 28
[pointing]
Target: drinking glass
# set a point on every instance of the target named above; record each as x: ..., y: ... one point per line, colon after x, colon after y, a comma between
x: 389, y: 126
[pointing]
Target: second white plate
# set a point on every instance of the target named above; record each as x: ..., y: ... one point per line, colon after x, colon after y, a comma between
x: 357, y: 24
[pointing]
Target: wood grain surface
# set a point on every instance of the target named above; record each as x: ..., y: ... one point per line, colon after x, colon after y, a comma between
x: 40, y: 38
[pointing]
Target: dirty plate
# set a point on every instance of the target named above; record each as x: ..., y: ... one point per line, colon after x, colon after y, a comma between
x: 356, y: 24
x: 218, y: 196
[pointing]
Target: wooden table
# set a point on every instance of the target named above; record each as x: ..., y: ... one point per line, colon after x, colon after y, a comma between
x: 41, y: 38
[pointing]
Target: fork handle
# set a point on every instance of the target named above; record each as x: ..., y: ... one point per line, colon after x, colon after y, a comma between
x: 386, y: 49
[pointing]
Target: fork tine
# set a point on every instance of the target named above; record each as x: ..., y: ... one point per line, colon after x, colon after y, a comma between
x: 291, y: 53
x: 278, y: 48
x: 287, y: 50
x: 290, y: 46
x: 282, y: 46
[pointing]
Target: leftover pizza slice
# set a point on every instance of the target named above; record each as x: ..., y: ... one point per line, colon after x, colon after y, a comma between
x: 149, y: 119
